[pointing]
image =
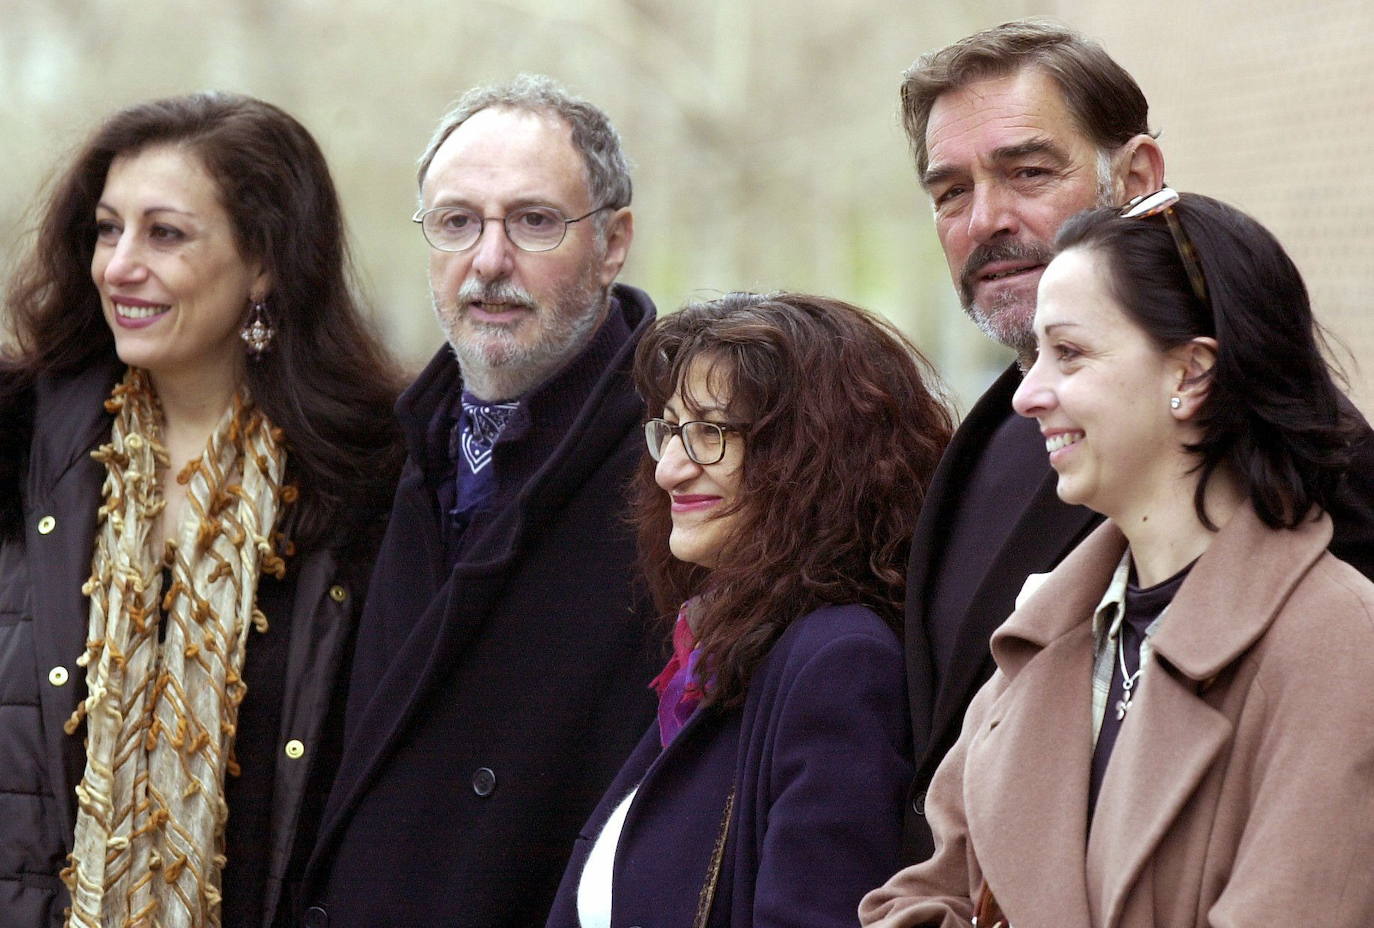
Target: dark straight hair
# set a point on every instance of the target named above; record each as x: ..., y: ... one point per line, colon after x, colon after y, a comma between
x: 326, y: 381
x: 1274, y: 415
x: 843, y: 434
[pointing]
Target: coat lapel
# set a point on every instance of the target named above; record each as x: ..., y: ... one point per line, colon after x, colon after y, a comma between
x: 682, y: 794
x: 1173, y: 737
x: 1025, y: 788
x: 1152, y: 774
x: 1046, y: 531
x: 927, y: 548
x: 1026, y: 774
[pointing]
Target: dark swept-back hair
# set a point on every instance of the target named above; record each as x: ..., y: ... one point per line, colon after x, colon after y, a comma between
x: 1274, y: 415
x: 326, y: 381
x: 842, y: 437
x: 1104, y: 100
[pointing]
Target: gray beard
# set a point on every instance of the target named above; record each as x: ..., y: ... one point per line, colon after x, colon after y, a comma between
x: 495, y: 366
x: 1003, y: 321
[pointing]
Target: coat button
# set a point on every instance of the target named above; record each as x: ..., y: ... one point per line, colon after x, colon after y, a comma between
x: 58, y: 676
x: 918, y: 803
x: 295, y: 749
x: 316, y: 917
x: 46, y: 525
x: 338, y: 593
x: 483, y: 781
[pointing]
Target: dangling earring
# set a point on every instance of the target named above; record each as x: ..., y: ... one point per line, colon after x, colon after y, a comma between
x: 1175, y: 402
x: 258, y: 333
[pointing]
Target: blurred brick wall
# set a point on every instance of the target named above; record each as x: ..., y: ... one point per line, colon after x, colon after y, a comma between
x: 1267, y: 104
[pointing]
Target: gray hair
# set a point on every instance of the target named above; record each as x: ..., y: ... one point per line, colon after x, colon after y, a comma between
x: 593, y: 136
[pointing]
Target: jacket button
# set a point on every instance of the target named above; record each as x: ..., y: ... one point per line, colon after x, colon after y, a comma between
x: 338, y: 593
x: 918, y: 803
x: 295, y: 749
x: 316, y: 917
x: 46, y: 525
x: 58, y: 676
x: 483, y: 781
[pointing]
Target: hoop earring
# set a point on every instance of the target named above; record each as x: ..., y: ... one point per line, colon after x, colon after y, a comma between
x: 258, y: 333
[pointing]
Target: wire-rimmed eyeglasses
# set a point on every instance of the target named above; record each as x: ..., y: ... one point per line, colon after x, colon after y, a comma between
x: 1162, y: 203
x: 703, y: 441
x: 529, y: 228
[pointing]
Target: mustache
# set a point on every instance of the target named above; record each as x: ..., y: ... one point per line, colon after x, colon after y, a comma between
x: 497, y: 291
x: 1004, y: 250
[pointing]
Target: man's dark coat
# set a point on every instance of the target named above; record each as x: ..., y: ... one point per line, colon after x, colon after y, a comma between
x: 1046, y: 531
x: 493, y: 703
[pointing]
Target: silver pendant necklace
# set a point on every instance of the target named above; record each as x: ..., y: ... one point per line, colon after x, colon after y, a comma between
x: 1128, y: 680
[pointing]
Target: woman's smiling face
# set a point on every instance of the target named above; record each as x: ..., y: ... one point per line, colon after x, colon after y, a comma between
x: 701, y: 495
x: 1101, y: 391
x: 173, y: 286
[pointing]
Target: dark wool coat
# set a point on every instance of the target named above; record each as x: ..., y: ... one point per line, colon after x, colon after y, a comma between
x: 1241, y: 788
x: 492, y: 703
x: 1047, y: 529
x: 819, y: 758
x: 43, y: 622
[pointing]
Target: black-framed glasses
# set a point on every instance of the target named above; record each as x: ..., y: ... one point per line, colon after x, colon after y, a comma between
x: 1162, y: 203
x: 703, y: 441
x: 529, y: 228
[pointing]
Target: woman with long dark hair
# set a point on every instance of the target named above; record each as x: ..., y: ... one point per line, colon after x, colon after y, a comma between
x: 1177, y: 734
x: 792, y: 441
x: 197, y: 451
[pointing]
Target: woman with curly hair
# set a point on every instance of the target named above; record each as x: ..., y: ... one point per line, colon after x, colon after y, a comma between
x: 792, y: 442
x: 197, y: 451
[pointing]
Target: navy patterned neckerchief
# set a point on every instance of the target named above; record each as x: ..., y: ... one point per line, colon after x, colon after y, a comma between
x: 479, y: 426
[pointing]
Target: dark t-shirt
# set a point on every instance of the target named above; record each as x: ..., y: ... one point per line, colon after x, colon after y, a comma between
x: 1142, y: 608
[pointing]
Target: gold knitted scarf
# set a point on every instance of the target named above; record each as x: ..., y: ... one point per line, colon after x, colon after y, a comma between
x: 161, y: 715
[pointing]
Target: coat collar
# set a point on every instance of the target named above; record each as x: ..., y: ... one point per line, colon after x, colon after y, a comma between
x: 1041, y: 726
x: 1223, y: 608
x: 77, y: 402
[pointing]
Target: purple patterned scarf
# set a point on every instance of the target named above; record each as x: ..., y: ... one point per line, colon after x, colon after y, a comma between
x: 678, y: 691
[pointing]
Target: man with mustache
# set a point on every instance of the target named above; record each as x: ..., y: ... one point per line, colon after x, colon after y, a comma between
x: 1015, y: 129
x: 501, y: 668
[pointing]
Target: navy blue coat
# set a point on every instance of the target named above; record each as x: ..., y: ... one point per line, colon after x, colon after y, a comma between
x: 820, y: 757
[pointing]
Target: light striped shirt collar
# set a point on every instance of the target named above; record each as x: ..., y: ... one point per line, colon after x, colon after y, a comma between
x: 1107, y: 619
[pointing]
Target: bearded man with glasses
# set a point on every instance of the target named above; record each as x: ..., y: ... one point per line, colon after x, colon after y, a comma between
x: 501, y: 668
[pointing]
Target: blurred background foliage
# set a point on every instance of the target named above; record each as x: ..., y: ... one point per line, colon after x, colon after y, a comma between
x: 763, y: 133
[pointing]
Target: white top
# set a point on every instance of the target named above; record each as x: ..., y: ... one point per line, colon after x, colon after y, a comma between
x: 594, y: 888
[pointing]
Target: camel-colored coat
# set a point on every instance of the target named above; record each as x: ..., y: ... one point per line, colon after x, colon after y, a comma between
x: 1241, y: 789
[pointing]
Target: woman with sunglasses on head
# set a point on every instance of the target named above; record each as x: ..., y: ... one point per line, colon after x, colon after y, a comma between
x: 197, y: 450
x: 792, y: 442
x: 1177, y: 734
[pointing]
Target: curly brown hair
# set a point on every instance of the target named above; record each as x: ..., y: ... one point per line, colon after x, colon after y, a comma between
x: 843, y: 435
